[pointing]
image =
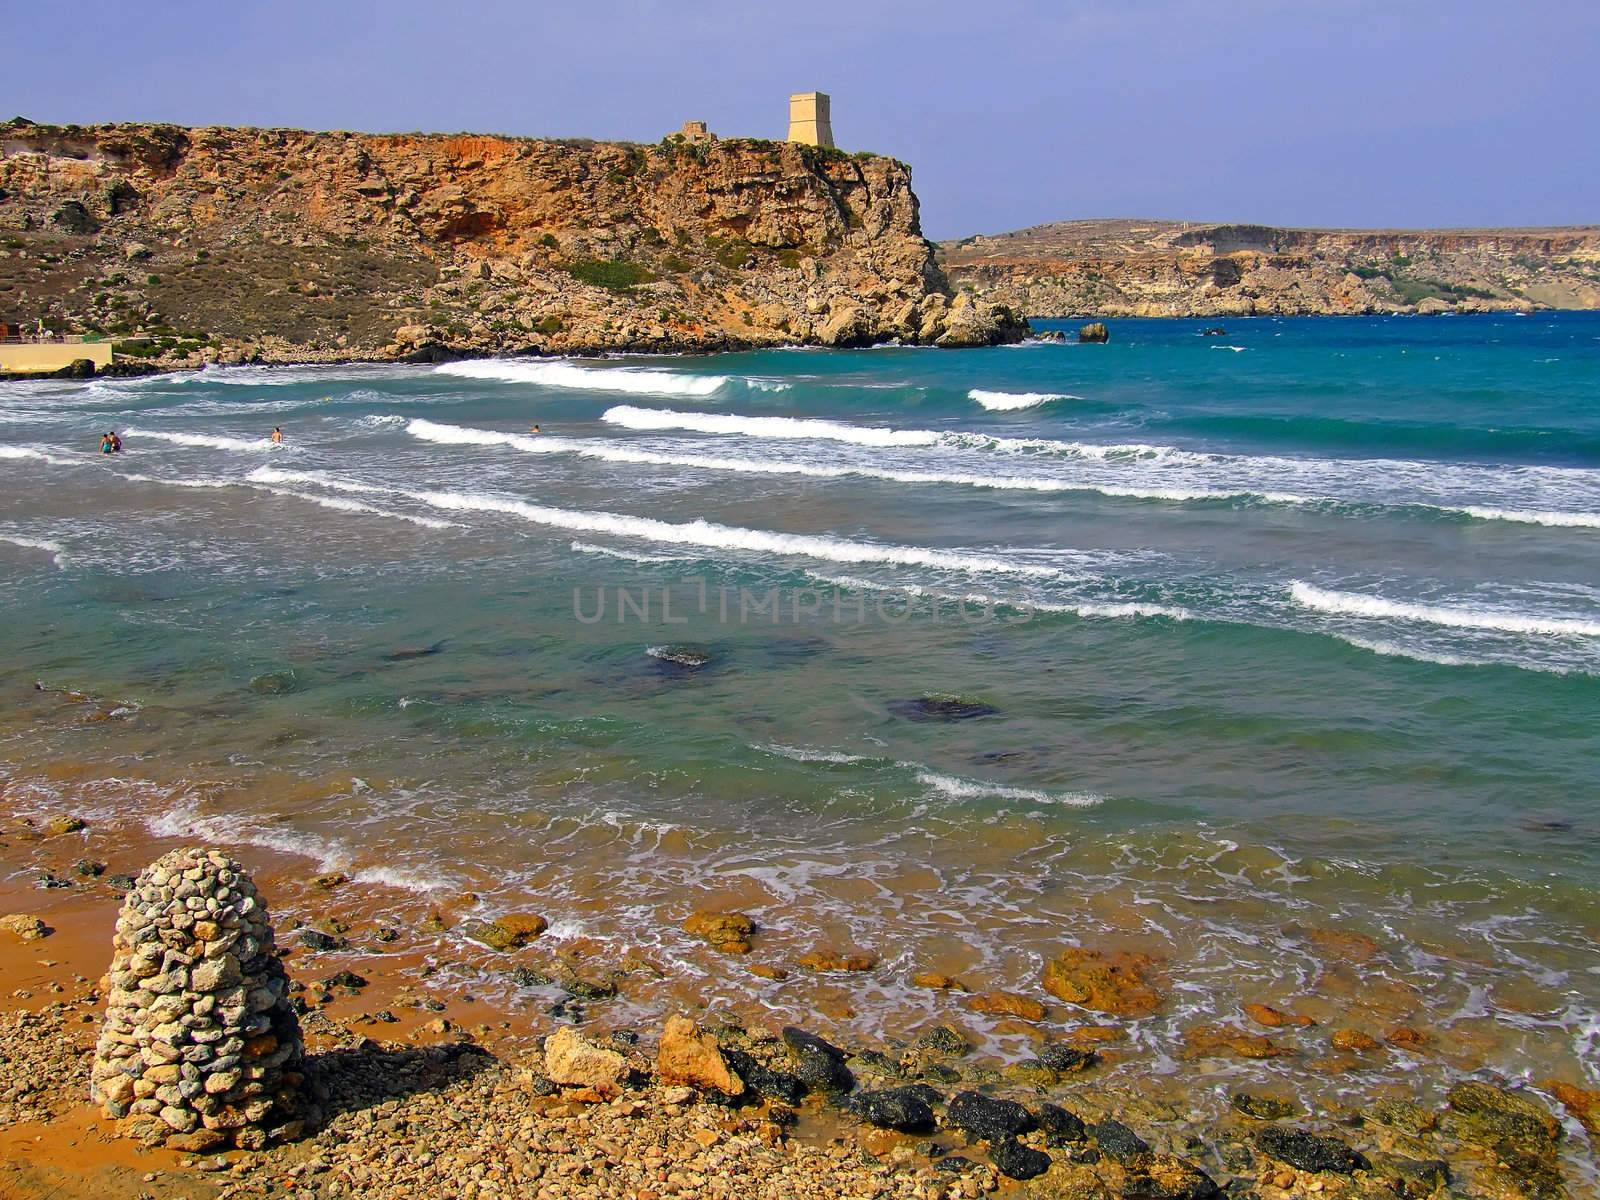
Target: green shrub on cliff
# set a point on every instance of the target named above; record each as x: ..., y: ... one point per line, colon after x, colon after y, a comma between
x: 615, y: 274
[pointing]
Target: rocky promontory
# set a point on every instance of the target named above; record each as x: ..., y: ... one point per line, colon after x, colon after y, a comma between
x: 194, y: 245
x: 1184, y: 269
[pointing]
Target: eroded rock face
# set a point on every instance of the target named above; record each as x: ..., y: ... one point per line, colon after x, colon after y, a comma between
x: 199, y: 1047
x: 287, y: 245
x: 688, y: 1055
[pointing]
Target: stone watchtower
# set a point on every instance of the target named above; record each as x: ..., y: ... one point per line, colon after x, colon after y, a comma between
x: 810, y: 119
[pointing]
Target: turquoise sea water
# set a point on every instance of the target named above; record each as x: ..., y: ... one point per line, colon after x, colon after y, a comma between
x: 1291, y: 629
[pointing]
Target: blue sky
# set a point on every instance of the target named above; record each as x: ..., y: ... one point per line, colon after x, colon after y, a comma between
x: 1308, y: 112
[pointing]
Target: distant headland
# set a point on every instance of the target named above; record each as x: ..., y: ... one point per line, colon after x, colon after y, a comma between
x: 1130, y: 268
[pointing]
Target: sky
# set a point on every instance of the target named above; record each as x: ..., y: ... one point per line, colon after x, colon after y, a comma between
x: 1352, y: 113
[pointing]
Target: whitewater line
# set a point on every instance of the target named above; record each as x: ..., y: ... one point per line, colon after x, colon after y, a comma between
x: 1356, y: 605
x: 638, y: 381
x: 714, y: 536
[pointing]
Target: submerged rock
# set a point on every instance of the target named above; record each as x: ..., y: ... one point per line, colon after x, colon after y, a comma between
x: 1007, y: 1004
x: 1501, y: 1120
x: 941, y: 707
x: 1263, y: 1108
x: 1065, y: 1059
x: 1061, y: 1126
x: 689, y: 658
x: 1165, y: 1177
x: 838, y: 960
x: 1310, y: 1151
x: 729, y: 932
x: 275, y: 683
x: 1115, y: 983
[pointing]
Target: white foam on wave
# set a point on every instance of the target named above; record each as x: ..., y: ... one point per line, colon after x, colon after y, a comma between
x: 637, y: 380
x: 343, y: 504
x: 337, y: 503
x: 382, y: 420
x: 1010, y: 401
x: 627, y: 555
x: 792, y: 428
x: 713, y: 536
x: 273, y: 475
x: 1559, y: 520
x: 56, y: 550
x: 30, y: 452
x: 608, y: 452
x: 973, y: 789
x: 210, y: 440
x: 186, y: 821
x: 1235, y: 349
x: 1376, y: 607
x: 1111, y: 610
x: 801, y: 754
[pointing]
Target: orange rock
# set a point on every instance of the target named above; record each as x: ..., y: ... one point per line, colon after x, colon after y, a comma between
x: 728, y: 932
x: 1584, y: 1106
x: 1275, y: 1018
x: 767, y: 971
x: 938, y: 982
x: 1353, y: 1039
x: 1095, y: 1035
x: 1110, y: 983
x: 1007, y: 1004
x: 517, y: 929
x: 1407, y: 1038
x: 831, y: 960
x: 690, y: 1056
x: 1341, y: 943
x: 1204, y: 1040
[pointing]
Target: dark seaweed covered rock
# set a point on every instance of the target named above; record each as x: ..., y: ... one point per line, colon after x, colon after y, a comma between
x: 776, y: 1085
x: 1500, y: 1120
x: 1117, y: 1140
x: 987, y: 1118
x: 1263, y: 1108
x: 1310, y: 1151
x: 904, y: 1109
x: 1060, y: 1126
x: 944, y: 1039
x: 1016, y: 1161
x: 952, y: 1164
x: 941, y: 707
x: 1060, y: 1057
x: 819, y: 1063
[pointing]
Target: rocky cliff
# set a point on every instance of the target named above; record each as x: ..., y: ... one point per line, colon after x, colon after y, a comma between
x: 281, y: 245
x: 1168, y: 268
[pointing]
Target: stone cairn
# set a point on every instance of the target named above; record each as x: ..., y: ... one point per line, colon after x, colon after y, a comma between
x: 200, y: 1049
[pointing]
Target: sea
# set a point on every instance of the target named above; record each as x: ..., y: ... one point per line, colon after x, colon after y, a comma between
x: 1273, y: 655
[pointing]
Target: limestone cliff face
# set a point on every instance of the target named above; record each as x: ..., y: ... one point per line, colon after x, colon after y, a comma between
x: 1165, y: 269
x: 280, y: 245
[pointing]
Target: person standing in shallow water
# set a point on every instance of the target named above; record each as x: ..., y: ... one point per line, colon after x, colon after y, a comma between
x: 116, y: 443
x: 277, y: 436
x: 105, y: 444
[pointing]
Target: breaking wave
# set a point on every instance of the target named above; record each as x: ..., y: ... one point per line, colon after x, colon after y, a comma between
x: 1376, y: 607
x: 1010, y: 401
x: 213, y: 441
x: 637, y: 380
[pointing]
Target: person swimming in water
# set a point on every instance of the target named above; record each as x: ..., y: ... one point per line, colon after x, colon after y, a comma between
x: 535, y: 429
x: 277, y: 436
x: 106, y: 446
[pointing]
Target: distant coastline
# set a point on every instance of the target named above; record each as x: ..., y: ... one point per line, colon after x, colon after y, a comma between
x: 1133, y: 268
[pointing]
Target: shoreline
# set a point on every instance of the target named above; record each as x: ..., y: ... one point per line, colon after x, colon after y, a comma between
x: 378, y: 1010
x: 435, y: 354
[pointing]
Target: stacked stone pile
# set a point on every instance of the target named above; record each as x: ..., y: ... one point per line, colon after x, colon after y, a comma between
x: 200, y: 1048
